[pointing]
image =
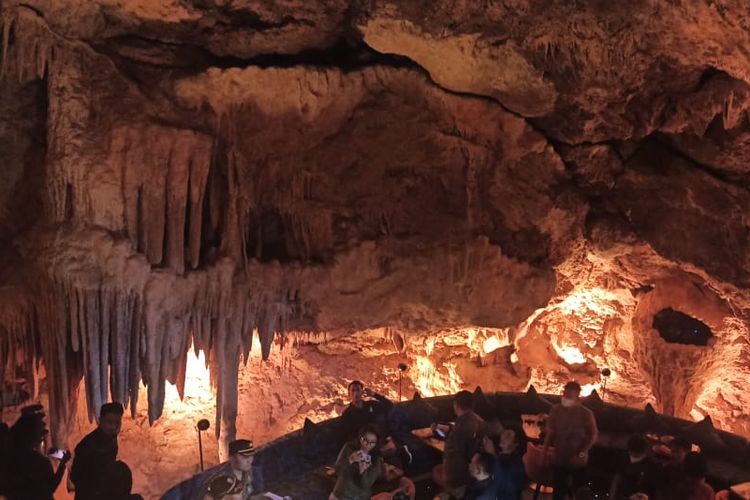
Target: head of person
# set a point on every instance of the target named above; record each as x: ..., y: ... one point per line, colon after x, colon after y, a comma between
x: 571, y: 393
x: 28, y: 431
x: 401, y: 495
x: 637, y: 448
x: 368, y: 438
x: 110, y: 418
x: 679, y: 447
x: 494, y: 428
x: 512, y: 440
x: 481, y: 466
x: 463, y: 402
x: 117, y: 479
x: 241, y: 452
x: 694, y: 466
x: 356, y: 389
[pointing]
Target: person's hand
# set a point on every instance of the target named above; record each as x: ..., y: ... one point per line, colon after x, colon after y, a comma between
x: 355, y: 457
x: 488, y: 446
x: 367, y: 392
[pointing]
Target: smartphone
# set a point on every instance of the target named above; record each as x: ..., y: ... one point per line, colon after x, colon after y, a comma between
x: 56, y: 453
x: 440, y: 433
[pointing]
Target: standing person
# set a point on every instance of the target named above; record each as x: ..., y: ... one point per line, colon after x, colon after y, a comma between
x: 463, y: 441
x: 362, y: 412
x: 118, y: 483
x: 358, y: 466
x: 30, y: 474
x: 247, y: 476
x: 571, y: 431
x: 638, y: 474
x: 96, y: 453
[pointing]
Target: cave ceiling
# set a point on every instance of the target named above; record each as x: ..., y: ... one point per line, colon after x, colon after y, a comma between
x: 190, y: 171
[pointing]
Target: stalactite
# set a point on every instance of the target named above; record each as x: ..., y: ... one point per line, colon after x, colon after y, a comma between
x: 29, y: 54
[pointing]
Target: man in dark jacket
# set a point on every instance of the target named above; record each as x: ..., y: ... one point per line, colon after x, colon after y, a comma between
x: 362, y: 412
x: 463, y: 441
x: 96, y: 453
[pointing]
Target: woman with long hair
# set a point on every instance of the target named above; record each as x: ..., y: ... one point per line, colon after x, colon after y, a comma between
x: 359, y: 465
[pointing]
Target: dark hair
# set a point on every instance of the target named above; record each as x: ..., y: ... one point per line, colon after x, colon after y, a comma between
x: 464, y: 400
x: 369, y: 429
x: 583, y: 493
x: 695, y: 465
x: 572, y: 386
x: 401, y: 495
x: 681, y: 443
x: 113, y: 407
x: 353, y: 383
x: 637, y: 444
x: 117, y: 479
x: 486, y: 461
x: 28, y: 431
x: 520, y: 437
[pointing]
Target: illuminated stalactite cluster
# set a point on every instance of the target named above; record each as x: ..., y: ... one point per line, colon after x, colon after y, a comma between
x: 509, y: 224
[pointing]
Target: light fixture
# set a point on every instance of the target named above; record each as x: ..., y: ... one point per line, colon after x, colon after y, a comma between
x: 202, y: 425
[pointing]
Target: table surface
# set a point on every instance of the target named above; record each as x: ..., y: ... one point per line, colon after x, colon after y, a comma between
x: 429, y: 439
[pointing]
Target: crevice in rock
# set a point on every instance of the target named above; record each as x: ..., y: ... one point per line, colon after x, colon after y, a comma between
x: 678, y: 328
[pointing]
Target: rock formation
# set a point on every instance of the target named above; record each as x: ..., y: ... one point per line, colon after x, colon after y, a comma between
x: 548, y: 174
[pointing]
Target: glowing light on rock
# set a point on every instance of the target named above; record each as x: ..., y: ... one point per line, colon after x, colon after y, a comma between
x: 587, y: 389
x: 491, y: 344
x: 198, y: 393
x: 431, y: 381
x: 571, y: 354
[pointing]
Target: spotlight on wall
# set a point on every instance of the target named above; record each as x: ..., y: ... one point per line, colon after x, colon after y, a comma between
x: 401, y: 369
x: 202, y: 425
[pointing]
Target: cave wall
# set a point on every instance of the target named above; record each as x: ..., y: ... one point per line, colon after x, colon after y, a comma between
x: 224, y: 174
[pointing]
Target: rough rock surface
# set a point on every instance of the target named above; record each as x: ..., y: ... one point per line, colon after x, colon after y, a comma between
x: 224, y: 174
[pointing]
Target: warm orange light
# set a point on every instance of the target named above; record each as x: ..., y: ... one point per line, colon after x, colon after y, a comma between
x: 491, y: 344
x: 571, y: 354
x: 430, y: 381
x: 198, y: 394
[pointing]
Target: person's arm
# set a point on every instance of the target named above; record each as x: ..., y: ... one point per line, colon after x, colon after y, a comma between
x: 592, y: 432
x: 60, y: 472
x: 368, y: 477
x: 614, y: 488
x: 384, y: 404
x: 550, y: 432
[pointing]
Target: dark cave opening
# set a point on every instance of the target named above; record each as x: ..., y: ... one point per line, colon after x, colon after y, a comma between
x: 679, y: 328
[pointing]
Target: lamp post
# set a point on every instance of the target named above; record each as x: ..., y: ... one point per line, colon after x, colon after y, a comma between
x: 401, y: 369
x: 606, y: 372
x: 202, y: 425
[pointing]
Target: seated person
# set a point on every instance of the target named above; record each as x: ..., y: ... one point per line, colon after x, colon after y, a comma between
x: 637, y: 474
x: 358, y: 466
x: 509, y: 475
x: 362, y: 412
x: 463, y: 441
x: 692, y: 485
x: 396, y: 485
x: 480, y: 470
x: 117, y: 482
x: 248, y: 477
x: 677, y: 451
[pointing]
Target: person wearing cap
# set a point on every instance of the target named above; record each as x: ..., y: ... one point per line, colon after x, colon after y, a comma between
x: 30, y: 473
x: 248, y: 479
x: 96, y: 453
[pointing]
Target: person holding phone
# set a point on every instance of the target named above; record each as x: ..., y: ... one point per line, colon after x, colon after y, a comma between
x: 358, y: 467
x: 30, y: 474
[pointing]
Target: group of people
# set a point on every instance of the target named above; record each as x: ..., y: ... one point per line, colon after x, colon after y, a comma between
x: 95, y: 474
x: 481, y: 461
x: 485, y: 461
